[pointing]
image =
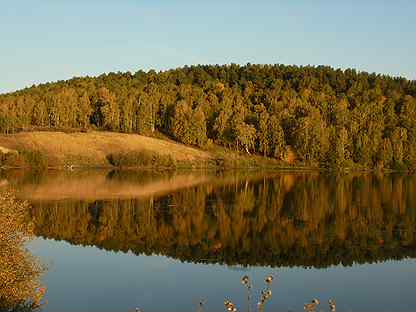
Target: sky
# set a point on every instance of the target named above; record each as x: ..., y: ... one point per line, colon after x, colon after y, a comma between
x: 50, y: 40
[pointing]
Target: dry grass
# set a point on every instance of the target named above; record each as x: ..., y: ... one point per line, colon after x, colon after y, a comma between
x: 92, y: 148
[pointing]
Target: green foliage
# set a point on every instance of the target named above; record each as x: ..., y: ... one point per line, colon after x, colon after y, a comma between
x: 324, y: 116
x: 189, y: 126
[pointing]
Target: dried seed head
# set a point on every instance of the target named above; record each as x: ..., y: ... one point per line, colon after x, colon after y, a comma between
x: 265, y: 295
x: 311, y: 306
x: 332, y: 305
x: 230, y: 306
x: 269, y: 279
x: 245, y: 280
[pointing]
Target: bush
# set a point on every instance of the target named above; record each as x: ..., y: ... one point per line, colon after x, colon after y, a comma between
x: 8, y: 159
x: 20, y: 272
x: 34, y: 160
x: 144, y: 159
x: 399, y: 166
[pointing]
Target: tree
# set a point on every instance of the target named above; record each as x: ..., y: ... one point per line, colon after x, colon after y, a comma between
x: 19, y: 271
x: 263, y: 134
x: 181, y: 122
x: 84, y: 111
x: 387, y: 152
x: 312, y: 137
x: 40, y: 114
x: 199, y: 127
x: 245, y: 136
x: 110, y: 111
x: 339, y: 146
x: 106, y: 113
x: 398, y: 138
x: 222, y: 124
x: 144, y: 115
x: 276, y: 138
x: 189, y: 126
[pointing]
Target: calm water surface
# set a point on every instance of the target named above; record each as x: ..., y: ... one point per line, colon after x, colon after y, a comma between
x: 161, y: 242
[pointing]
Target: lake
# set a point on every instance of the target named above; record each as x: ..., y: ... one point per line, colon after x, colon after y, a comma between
x: 162, y: 241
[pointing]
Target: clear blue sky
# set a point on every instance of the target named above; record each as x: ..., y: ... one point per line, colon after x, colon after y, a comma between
x: 48, y: 40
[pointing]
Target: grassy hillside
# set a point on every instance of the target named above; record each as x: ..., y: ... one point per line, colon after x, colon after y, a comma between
x: 41, y: 149
x: 93, y: 149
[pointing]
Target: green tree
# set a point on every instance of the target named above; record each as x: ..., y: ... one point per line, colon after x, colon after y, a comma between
x: 84, y: 111
x: 189, y: 126
x: 398, y: 138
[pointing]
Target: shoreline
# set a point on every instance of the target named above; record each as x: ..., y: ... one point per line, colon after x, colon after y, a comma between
x: 97, y: 150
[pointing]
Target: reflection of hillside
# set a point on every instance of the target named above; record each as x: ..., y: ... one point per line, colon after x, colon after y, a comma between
x: 94, y: 185
x: 302, y: 220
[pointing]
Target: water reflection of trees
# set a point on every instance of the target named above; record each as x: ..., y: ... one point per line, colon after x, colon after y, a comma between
x: 294, y: 220
x: 19, y: 270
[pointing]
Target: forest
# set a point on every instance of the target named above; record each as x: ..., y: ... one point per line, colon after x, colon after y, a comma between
x: 325, y: 117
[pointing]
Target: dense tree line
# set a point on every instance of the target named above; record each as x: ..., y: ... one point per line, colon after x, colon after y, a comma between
x: 325, y: 117
x: 288, y: 220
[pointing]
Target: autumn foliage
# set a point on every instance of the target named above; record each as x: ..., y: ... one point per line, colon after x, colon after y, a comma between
x: 285, y: 220
x: 19, y: 270
x: 315, y: 115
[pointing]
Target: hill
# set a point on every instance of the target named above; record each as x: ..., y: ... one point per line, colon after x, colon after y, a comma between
x: 99, y: 149
x: 95, y: 149
x: 321, y: 116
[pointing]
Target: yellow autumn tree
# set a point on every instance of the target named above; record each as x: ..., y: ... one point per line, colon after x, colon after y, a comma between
x: 19, y: 270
